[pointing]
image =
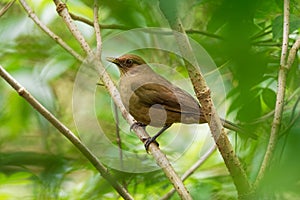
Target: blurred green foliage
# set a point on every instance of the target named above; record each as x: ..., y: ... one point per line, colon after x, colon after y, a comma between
x: 242, y: 37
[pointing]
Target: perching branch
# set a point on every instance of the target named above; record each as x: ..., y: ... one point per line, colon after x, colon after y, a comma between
x: 65, y: 131
x: 160, y: 158
x: 203, y: 94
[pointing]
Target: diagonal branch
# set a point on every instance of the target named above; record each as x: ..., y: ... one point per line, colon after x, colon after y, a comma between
x: 6, y: 7
x: 65, y: 131
x: 62, y: 10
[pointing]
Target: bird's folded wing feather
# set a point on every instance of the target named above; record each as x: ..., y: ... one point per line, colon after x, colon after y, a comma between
x: 171, y: 97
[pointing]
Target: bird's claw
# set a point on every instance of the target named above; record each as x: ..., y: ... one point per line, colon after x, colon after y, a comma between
x: 137, y: 124
x: 148, y: 141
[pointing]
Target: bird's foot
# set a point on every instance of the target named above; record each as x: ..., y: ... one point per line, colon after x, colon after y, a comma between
x: 148, y: 141
x: 137, y: 124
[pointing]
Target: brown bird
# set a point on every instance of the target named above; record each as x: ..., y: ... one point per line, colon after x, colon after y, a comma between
x: 153, y: 100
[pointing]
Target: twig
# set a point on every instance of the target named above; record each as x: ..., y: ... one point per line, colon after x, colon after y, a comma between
x: 121, y: 27
x: 160, y: 158
x: 102, y: 26
x: 55, y: 37
x: 65, y: 131
x: 293, y: 53
x: 202, y: 91
x: 192, y: 31
x: 190, y: 171
x: 6, y: 7
x: 279, y: 99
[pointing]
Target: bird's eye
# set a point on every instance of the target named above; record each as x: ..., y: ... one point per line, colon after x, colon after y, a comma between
x: 129, y: 62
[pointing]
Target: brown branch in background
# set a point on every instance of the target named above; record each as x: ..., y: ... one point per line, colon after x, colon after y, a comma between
x: 52, y: 35
x: 202, y: 91
x: 6, y: 7
x: 279, y: 98
x: 160, y: 158
x: 192, y: 169
x: 65, y: 131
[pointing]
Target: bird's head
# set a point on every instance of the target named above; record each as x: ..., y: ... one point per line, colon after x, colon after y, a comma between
x: 126, y: 62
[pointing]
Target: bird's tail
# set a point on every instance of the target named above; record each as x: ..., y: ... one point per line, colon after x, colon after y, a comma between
x: 237, y: 128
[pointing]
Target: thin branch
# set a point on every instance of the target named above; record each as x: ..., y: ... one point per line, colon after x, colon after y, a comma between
x: 293, y: 53
x: 190, y: 171
x: 102, y: 26
x: 62, y: 10
x: 192, y: 31
x: 82, y: 19
x: 160, y: 158
x: 202, y: 91
x: 65, y: 131
x: 121, y: 27
x: 6, y: 7
x: 52, y: 35
x: 97, y: 30
x: 279, y: 99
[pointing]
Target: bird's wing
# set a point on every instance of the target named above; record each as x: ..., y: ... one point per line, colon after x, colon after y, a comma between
x: 166, y: 94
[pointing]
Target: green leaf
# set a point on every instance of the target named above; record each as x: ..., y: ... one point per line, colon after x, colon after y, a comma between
x: 269, y: 98
x: 277, y: 27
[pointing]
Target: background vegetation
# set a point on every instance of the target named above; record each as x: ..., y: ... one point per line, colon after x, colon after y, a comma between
x: 244, y: 39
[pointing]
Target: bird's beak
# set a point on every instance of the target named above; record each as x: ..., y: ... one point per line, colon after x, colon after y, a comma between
x: 113, y: 60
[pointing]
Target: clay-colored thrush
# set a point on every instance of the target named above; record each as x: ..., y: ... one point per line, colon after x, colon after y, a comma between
x: 153, y: 100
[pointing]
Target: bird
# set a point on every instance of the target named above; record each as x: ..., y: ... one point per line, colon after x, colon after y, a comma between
x: 153, y: 100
